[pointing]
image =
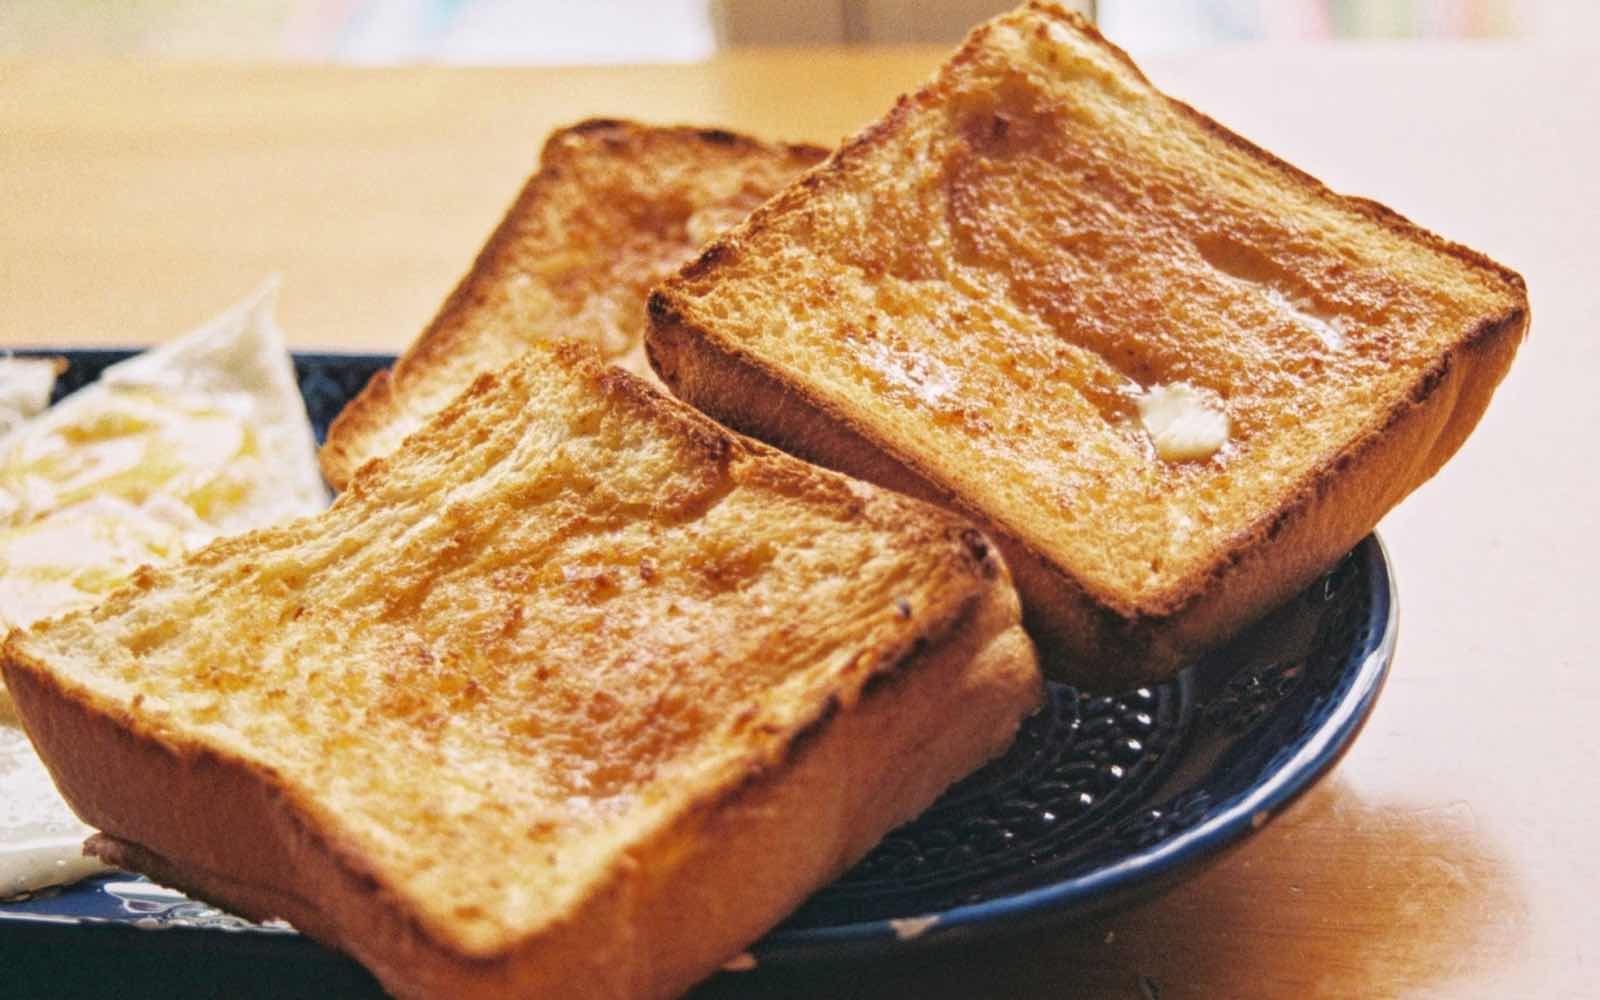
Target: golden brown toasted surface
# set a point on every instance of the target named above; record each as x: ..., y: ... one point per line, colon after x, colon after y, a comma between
x: 614, y: 207
x: 984, y: 284
x: 567, y: 614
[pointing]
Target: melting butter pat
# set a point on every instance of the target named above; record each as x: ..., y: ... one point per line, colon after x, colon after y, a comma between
x: 1186, y: 423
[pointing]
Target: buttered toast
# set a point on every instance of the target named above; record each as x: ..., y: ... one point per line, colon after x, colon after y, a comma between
x: 614, y: 207
x: 574, y: 695
x: 1173, y: 376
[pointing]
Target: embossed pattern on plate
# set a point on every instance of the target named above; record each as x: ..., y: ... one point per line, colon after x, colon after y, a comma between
x: 1101, y: 799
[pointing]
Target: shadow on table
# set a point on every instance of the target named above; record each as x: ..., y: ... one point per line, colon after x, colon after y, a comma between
x: 1339, y: 898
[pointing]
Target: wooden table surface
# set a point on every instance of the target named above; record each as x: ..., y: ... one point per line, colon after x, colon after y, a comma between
x: 1453, y: 853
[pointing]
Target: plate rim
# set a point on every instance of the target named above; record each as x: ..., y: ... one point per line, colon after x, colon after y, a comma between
x: 1145, y: 868
x: 296, y: 353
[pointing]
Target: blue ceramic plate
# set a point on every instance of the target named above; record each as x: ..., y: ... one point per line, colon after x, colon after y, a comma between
x: 1101, y: 800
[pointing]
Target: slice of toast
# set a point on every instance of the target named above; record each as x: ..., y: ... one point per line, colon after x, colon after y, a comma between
x: 614, y: 207
x: 574, y: 695
x: 1172, y: 376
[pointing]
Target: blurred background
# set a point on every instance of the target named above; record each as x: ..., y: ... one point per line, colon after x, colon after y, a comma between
x: 553, y: 32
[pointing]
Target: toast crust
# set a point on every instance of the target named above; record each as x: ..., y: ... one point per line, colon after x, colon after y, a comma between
x: 1095, y: 640
x: 703, y: 888
x: 641, y: 196
x: 798, y: 786
x: 1093, y: 632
